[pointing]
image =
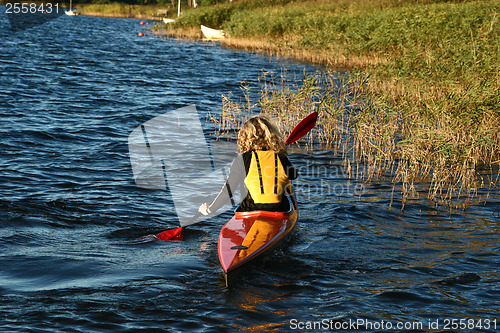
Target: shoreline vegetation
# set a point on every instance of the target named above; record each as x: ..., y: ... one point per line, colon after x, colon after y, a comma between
x: 123, y: 10
x: 420, y: 104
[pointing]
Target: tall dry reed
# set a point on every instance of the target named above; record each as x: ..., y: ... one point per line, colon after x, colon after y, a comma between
x: 422, y: 153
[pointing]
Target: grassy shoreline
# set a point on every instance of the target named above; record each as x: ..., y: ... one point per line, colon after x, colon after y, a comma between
x: 428, y: 70
x: 122, y: 10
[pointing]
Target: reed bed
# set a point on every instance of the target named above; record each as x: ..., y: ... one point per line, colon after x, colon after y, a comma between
x: 422, y: 155
x: 420, y: 105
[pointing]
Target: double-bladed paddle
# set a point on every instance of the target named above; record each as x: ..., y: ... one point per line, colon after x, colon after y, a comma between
x: 299, y: 131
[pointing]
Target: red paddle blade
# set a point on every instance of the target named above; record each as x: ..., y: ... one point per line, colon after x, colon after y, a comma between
x: 171, y: 234
x: 302, y: 128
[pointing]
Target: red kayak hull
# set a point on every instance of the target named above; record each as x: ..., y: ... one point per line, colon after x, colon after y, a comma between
x: 248, y: 235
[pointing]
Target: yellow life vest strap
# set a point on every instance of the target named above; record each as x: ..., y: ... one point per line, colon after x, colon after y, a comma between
x: 260, y: 173
x: 275, y: 173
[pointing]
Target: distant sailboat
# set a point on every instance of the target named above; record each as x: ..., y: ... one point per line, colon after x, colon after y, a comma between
x: 71, y: 12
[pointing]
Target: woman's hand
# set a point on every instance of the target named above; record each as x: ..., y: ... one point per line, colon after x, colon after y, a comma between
x: 204, y: 209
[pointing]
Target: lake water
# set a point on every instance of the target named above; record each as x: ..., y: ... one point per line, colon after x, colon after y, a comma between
x: 70, y: 212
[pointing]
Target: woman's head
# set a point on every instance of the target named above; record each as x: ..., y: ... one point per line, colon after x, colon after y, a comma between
x: 259, y: 133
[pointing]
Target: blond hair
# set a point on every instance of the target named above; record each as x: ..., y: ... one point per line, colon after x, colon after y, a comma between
x: 258, y: 133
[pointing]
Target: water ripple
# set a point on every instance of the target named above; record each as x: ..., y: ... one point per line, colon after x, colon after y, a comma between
x: 71, y: 215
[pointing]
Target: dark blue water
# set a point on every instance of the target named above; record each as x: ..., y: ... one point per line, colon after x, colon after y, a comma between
x: 73, y: 89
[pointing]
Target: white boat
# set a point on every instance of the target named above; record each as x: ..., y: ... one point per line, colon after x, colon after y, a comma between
x: 71, y: 12
x: 210, y: 33
x: 168, y: 20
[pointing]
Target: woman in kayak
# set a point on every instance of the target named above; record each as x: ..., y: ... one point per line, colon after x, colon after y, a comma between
x: 262, y: 170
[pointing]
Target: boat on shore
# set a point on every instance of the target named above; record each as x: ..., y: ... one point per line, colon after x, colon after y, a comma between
x: 71, y: 11
x: 249, y: 235
x: 210, y: 33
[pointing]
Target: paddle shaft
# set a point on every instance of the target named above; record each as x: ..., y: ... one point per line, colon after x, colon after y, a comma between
x: 302, y: 128
x: 193, y: 219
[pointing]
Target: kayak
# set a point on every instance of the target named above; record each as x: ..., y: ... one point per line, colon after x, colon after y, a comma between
x: 248, y: 235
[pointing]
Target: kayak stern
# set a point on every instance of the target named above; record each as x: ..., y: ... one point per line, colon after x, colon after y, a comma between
x: 248, y: 235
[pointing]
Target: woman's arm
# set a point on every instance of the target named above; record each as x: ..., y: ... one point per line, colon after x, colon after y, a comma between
x: 234, y: 180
